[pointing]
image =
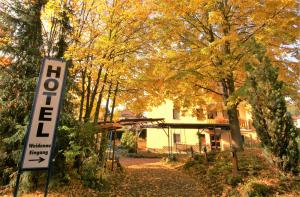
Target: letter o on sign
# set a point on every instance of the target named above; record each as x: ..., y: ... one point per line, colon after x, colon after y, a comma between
x: 51, y: 84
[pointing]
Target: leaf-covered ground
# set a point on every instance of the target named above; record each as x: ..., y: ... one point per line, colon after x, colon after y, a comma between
x: 142, y: 177
x: 257, y: 176
x: 154, y: 177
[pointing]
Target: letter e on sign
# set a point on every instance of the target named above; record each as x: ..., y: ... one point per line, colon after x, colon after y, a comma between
x: 44, y: 116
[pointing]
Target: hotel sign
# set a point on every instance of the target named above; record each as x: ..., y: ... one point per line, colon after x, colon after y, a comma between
x: 40, y: 135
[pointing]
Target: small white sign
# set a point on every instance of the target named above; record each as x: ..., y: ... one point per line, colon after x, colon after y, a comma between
x: 44, y: 116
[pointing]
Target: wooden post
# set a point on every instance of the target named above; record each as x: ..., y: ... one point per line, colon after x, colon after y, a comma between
x: 169, y: 149
x: 113, y: 151
x: 205, y: 154
x: 199, y: 141
x: 171, y: 141
x: 136, y: 141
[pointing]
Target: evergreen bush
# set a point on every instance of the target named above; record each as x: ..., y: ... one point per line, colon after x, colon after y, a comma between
x: 18, y: 79
x: 273, y: 124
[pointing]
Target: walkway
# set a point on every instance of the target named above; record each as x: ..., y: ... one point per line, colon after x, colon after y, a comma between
x: 150, y: 177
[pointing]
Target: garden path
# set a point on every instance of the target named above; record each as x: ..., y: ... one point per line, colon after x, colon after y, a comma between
x: 151, y: 177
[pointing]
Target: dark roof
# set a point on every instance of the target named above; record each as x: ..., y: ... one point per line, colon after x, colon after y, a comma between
x: 194, y: 126
x: 109, y: 126
x: 158, y: 123
x: 136, y: 120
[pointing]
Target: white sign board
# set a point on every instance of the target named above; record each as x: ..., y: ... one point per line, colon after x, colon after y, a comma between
x: 40, y: 136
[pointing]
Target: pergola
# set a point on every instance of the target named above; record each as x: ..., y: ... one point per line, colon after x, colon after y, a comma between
x: 159, y: 124
x: 113, y: 127
x: 167, y: 127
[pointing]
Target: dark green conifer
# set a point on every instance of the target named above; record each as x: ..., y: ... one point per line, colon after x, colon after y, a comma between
x: 273, y: 123
x: 21, y: 20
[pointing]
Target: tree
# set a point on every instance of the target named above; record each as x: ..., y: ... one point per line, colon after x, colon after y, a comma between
x: 205, y: 45
x: 21, y: 20
x: 273, y: 123
x: 108, y: 39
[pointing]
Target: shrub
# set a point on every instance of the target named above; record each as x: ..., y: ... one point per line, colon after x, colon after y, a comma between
x: 189, y: 165
x: 93, y: 176
x: 260, y: 190
x: 233, y: 180
x: 128, y: 141
x: 6, y: 175
x: 197, y: 157
x: 170, y: 159
x: 254, y: 189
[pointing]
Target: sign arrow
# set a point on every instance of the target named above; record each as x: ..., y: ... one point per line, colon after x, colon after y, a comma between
x: 40, y: 159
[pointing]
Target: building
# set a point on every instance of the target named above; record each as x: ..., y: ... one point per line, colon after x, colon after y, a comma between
x: 183, y: 138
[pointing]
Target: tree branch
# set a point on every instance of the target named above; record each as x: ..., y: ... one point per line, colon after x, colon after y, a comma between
x: 208, y: 89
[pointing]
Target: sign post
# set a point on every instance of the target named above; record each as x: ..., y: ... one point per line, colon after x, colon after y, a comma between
x: 40, y: 137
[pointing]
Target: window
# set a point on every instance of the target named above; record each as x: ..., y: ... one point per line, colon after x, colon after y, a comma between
x: 211, y: 114
x: 215, y: 141
x: 176, y: 114
x: 176, y: 138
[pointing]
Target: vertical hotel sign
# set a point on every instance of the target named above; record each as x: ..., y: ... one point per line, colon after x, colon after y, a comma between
x: 40, y: 136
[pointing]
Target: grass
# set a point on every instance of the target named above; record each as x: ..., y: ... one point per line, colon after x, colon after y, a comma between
x: 256, y: 176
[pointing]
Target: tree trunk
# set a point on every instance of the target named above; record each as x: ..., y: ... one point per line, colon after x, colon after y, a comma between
x: 114, y: 102
x: 104, y: 136
x: 232, y: 111
x: 88, y: 94
x: 234, y: 123
x: 236, y: 137
x: 97, y: 111
x: 113, y: 133
x: 93, y: 95
x: 82, y: 94
x: 235, y: 166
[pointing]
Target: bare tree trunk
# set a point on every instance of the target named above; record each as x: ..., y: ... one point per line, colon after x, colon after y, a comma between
x: 236, y: 137
x: 114, y: 102
x: 93, y: 95
x: 235, y: 166
x: 97, y: 111
x: 113, y: 131
x: 88, y: 89
x: 104, y: 136
x: 82, y: 94
x: 234, y: 123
